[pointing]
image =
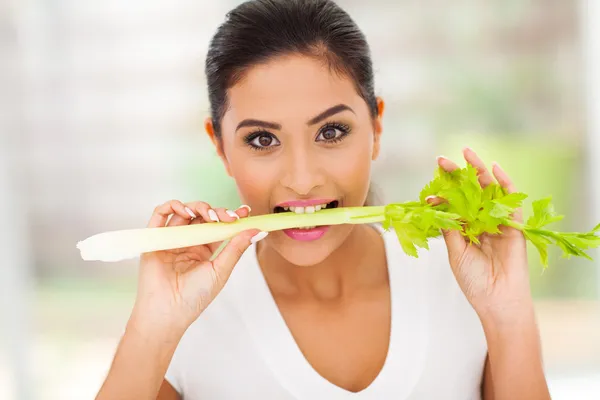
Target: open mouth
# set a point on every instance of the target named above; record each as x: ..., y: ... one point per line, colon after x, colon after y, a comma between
x: 307, y: 210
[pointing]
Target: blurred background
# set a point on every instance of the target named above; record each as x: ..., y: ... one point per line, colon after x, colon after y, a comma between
x: 101, y: 111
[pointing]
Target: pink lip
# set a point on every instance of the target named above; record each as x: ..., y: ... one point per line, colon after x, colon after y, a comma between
x: 307, y: 235
x: 304, y: 203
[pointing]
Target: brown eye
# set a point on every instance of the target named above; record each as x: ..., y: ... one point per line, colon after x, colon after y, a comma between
x: 329, y: 134
x: 265, y: 141
x: 262, y: 140
x: 333, y: 133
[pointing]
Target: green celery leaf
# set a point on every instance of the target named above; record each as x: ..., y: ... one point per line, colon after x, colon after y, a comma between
x: 403, y: 232
x: 541, y: 243
x: 543, y: 213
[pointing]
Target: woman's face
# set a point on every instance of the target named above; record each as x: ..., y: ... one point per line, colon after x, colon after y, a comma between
x: 298, y: 135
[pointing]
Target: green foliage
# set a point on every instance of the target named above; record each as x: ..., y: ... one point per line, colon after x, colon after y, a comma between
x: 571, y: 244
x: 476, y: 211
x: 416, y: 222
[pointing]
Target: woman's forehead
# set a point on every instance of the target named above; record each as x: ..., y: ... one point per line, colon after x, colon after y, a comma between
x: 290, y: 86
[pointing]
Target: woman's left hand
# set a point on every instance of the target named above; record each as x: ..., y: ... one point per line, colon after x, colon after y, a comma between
x: 494, y: 275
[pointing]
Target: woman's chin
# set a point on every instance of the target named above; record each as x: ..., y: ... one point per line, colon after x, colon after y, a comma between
x: 302, y: 259
x: 306, y: 248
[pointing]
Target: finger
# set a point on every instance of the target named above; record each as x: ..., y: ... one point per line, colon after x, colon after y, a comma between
x: 446, y: 164
x: 223, y: 264
x: 485, y: 178
x: 505, y: 181
x: 435, y: 200
x: 455, y: 244
x: 226, y: 215
x: 179, y: 219
x: 162, y: 213
x: 190, y: 257
x: 503, y: 178
x: 243, y: 211
x: 204, y: 210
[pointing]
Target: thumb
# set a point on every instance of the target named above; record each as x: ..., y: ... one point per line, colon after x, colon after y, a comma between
x: 224, y: 263
x: 455, y: 243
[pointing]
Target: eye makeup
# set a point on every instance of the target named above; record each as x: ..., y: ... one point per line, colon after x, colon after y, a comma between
x: 330, y: 133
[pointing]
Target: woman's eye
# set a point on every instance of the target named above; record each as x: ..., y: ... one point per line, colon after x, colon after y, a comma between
x: 329, y: 134
x: 332, y: 133
x: 262, y: 141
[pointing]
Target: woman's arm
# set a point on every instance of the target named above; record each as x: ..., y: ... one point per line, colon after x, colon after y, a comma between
x: 140, y: 363
x: 167, y: 392
x: 487, y: 385
x: 494, y: 276
x: 514, y: 369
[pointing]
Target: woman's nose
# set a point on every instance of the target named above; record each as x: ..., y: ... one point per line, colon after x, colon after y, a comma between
x: 302, y: 172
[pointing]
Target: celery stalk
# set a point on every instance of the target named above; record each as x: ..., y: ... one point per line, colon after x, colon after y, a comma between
x: 123, y: 244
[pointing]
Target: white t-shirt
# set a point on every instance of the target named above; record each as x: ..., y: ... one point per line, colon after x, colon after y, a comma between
x: 241, y: 348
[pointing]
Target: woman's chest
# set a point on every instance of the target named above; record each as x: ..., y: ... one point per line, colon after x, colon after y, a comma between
x: 436, y: 345
x: 345, y: 341
x: 236, y: 366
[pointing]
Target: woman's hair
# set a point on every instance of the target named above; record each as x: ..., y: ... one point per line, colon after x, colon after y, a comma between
x: 258, y: 30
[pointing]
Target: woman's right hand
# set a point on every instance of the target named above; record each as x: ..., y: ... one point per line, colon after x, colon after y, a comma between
x: 175, y: 286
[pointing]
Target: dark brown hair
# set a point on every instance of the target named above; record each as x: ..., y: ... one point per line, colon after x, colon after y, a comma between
x: 259, y: 30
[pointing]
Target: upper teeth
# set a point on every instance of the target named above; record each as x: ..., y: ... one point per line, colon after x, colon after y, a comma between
x: 307, y: 210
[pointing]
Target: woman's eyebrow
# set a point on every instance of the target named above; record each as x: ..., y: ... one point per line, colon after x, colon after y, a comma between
x: 329, y: 112
x: 258, y: 123
x: 272, y: 125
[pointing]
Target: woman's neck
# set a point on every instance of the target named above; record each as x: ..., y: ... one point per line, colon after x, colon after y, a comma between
x: 358, y: 263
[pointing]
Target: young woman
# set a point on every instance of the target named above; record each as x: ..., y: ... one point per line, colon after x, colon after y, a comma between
x: 332, y: 312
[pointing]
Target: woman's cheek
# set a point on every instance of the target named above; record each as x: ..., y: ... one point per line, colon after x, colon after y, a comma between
x: 255, y: 182
x: 351, y: 171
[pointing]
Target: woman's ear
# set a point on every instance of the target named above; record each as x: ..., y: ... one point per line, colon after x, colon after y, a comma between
x: 378, y: 128
x: 217, y: 142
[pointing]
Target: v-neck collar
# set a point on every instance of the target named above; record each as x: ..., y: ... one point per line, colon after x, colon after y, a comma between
x: 407, y: 346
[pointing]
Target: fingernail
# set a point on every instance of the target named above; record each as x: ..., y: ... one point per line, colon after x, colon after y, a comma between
x: 441, y: 158
x: 189, y: 211
x: 232, y: 214
x: 429, y: 198
x: 213, y: 215
x: 245, y: 206
x: 496, y: 164
x: 259, y: 236
x: 467, y: 148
